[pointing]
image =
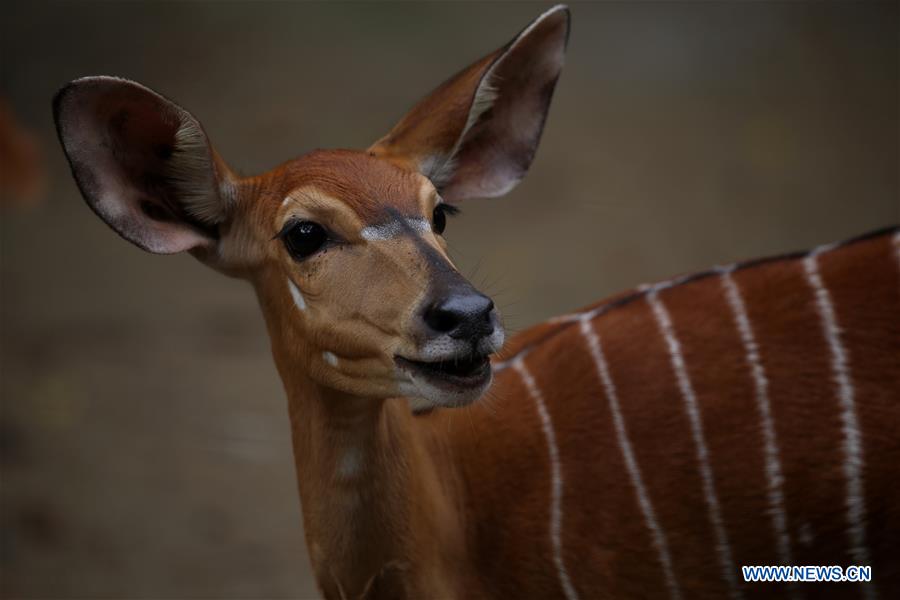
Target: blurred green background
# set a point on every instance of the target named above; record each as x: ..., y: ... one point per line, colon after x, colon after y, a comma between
x: 144, y: 439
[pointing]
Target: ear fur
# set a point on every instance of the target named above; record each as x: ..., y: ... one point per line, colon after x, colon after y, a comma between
x: 476, y: 134
x: 143, y: 164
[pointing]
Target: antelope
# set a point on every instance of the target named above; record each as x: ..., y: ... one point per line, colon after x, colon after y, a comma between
x: 646, y: 446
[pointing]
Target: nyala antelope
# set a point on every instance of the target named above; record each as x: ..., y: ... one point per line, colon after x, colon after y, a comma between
x: 644, y: 447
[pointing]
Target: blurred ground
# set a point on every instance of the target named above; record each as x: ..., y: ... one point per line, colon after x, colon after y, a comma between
x: 143, y: 434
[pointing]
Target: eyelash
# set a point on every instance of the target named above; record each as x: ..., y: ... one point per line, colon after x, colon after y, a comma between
x: 450, y: 210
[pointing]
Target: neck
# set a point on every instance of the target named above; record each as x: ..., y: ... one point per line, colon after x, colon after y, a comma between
x: 378, y: 489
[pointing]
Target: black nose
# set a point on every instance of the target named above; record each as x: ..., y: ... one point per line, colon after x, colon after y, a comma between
x: 461, y: 316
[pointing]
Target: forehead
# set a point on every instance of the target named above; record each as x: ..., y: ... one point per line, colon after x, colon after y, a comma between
x: 373, y: 188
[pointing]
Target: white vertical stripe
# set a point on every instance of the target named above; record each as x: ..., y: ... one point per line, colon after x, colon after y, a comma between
x: 296, y: 295
x: 556, y: 479
x: 774, y: 475
x: 634, y: 471
x: 723, y: 548
x: 852, y: 442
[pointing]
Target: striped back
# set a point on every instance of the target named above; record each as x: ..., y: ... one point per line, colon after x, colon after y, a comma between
x: 746, y: 415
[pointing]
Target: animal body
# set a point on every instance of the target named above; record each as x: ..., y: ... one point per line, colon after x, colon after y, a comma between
x: 645, y: 447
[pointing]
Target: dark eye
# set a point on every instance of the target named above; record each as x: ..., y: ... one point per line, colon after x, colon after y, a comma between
x: 304, y: 238
x: 439, y: 218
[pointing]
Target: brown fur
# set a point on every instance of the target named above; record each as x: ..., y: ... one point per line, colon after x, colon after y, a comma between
x: 367, y: 185
x: 606, y: 544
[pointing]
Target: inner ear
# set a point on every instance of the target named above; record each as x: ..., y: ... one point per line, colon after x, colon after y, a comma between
x: 476, y: 134
x: 148, y: 152
x: 142, y: 163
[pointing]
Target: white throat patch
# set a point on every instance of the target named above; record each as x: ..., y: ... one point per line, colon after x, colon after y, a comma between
x: 350, y: 463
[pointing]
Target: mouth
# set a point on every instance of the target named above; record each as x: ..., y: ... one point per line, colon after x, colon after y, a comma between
x: 457, y: 374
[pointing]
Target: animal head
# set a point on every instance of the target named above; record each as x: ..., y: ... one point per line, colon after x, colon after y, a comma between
x: 344, y: 247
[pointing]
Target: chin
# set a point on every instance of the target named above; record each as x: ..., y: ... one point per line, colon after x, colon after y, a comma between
x: 444, y: 384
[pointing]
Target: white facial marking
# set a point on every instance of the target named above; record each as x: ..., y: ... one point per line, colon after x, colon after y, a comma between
x: 286, y: 201
x: 330, y: 358
x: 387, y: 231
x: 296, y: 295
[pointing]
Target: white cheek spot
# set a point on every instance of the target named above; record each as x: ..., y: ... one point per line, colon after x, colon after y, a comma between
x: 296, y: 295
x: 330, y: 358
x: 286, y: 201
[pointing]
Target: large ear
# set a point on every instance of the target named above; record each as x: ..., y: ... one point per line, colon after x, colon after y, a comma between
x: 476, y: 134
x: 142, y: 163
